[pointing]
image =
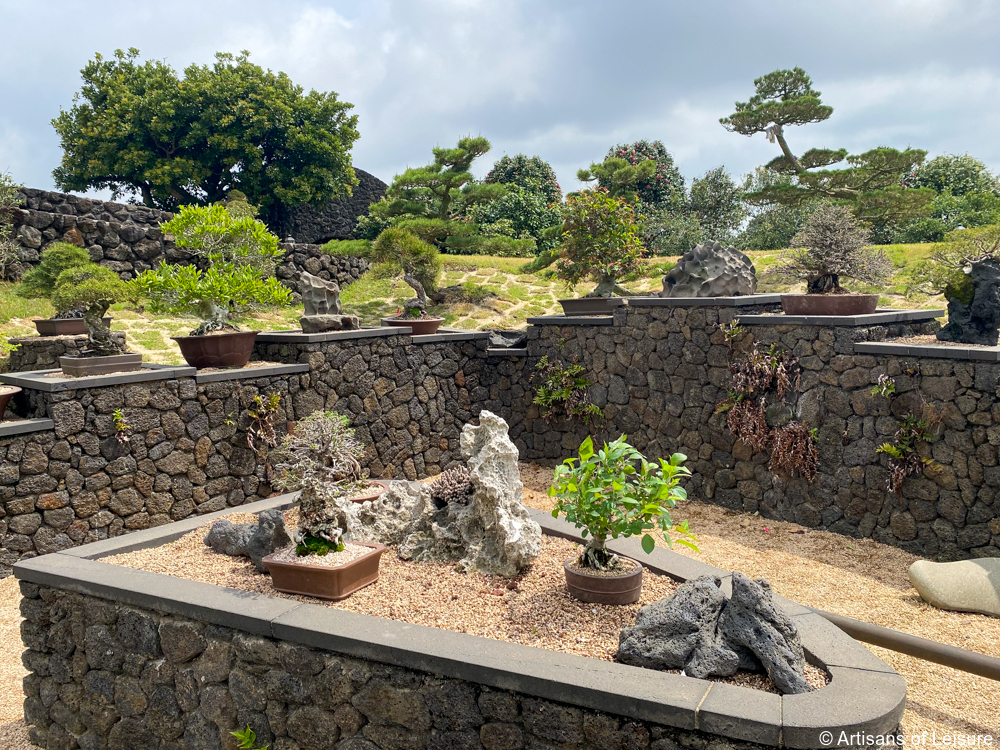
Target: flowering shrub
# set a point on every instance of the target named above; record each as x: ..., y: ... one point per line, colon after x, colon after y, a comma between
x: 666, y: 186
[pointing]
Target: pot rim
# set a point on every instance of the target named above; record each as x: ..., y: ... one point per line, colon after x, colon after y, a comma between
x: 428, y: 319
x: 639, y: 568
x: 376, y: 549
x: 829, y: 294
x: 9, y: 389
x: 216, y: 335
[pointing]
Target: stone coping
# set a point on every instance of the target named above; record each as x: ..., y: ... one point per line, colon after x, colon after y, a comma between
x: 974, y: 353
x: 450, y: 335
x: 572, y: 320
x: 247, y: 373
x: 864, y: 694
x: 297, y: 337
x: 502, y: 351
x: 22, y: 426
x: 876, y: 318
x: 37, y: 380
x: 750, y: 299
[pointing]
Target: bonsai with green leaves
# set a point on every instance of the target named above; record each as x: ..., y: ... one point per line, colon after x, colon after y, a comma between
x: 93, y: 288
x: 40, y: 281
x: 240, y: 255
x: 398, y: 252
x: 615, y: 492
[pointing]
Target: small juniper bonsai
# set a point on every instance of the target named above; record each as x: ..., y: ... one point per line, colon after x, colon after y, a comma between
x: 93, y: 288
x: 399, y: 252
x: 40, y: 281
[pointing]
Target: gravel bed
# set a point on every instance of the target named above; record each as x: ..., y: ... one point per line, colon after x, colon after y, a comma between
x: 350, y: 553
x: 935, y: 341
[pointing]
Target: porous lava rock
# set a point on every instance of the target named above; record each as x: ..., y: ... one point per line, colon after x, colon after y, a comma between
x: 711, y: 270
x: 702, y: 632
x: 322, y: 308
x: 974, y: 306
x: 253, y: 540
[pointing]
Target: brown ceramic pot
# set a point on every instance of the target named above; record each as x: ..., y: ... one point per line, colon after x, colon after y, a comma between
x: 63, y: 326
x: 420, y: 326
x: 326, y: 583
x: 623, y: 589
x: 829, y: 304
x: 82, y: 367
x: 371, y: 493
x: 591, y: 305
x: 217, y: 350
x: 7, y: 392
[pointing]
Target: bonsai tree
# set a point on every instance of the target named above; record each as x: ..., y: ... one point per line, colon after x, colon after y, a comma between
x: 93, y: 288
x: 241, y: 256
x: 40, y: 281
x: 616, y: 492
x: 398, y: 252
x: 832, y: 244
x: 322, y: 458
x: 600, y: 242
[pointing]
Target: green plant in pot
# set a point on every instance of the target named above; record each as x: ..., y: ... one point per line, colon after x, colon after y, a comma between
x: 831, y: 245
x: 94, y: 289
x: 240, y: 256
x: 322, y: 459
x: 40, y: 283
x: 610, y: 493
x: 601, y: 243
x: 398, y: 252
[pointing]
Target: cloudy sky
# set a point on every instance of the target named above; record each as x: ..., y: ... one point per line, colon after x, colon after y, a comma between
x: 564, y: 79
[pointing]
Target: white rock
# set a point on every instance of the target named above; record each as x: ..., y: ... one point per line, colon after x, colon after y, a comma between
x: 964, y: 586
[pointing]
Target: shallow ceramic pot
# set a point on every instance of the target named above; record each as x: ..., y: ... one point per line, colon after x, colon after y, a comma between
x: 7, y: 392
x: 623, y: 589
x: 326, y: 583
x: 371, y: 493
x: 82, y: 367
x: 420, y: 326
x: 63, y: 326
x: 591, y: 305
x: 829, y: 304
x: 218, y: 350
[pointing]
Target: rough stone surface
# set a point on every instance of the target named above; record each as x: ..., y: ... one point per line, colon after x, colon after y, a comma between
x: 711, y: 270
x: 43, y: 352
x: 976, y: 321
x: 337, y: 219
x: 253, y: 540
x: 319, y: 297
x: 320, y: 323
x: 963, y: 586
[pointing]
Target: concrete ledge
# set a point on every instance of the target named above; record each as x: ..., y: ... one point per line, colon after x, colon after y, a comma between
x: 247, y: 373
x: 37, y: 381
x: 580, y: 320
x: 876, y: 318
x: 297, y: 337
x: 750, y: 299
x: 499, y: 351
x: 972, y: 353
x: 442, y: 336
x: 24, y: 426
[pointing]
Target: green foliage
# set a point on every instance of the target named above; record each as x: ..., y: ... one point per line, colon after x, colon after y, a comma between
x: 260, y: 432
x: 959, y: 175
x: 529, y: 172
x: 718, y: 204
x: 616, y: 492
x: 10, y: 198
x: 949, y: 211
x: 668, y: 231
x: 770, y: 226
x: 903, y: 452
x: 619, y: 177
x: 944, y: 271
x: 599, y: 241
x: 348, y: 248
x: 873, y: 183
x: 225, y: 234
x: 562, y: 393
x: 40, y: 281
x: 527, y: 213
x: 885, y: 387
x: 247, y: 739
x: 400, y: 252
x: 122, y: 427
x: 314, y: 545
x: 87, y: 286
x: 139, y: 129
x: 664, y: 187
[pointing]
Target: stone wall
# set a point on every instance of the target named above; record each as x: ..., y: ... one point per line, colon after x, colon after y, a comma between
x: 103, y: 674
x: 127, y: 239
x: 43, y: 352
x: 338, y: 218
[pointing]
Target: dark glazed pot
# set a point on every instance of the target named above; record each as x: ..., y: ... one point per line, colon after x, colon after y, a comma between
x: 420, y: 326
x: 63, y: 326
x: 326, y: 583
x: 371, y: 493
x: 83, y: 367
x: 591, y: 305
x: 829, y: 304
x: 623, y: 589
x: 218, y: 350
x: 7, y: 392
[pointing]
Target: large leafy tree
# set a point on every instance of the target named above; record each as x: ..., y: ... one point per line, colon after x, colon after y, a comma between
x: 626, y: 171
x: 529, y: 172
x: 139, y: 129
x: 872, y: 181
x: 718, y: 203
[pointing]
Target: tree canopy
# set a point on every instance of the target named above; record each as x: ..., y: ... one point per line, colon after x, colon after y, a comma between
x: 874, y: 180
x: 140, y: 130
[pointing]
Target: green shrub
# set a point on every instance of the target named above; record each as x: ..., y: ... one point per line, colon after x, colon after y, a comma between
x: 40, y: 281
x: 93, y: 288
x: 348, y: 248
x: 530, y: 172
x: 10, y: 198
x: 220, y: 236
x: 398, y: 252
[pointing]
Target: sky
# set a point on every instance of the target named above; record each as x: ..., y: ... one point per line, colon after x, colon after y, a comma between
x: 563, y: 79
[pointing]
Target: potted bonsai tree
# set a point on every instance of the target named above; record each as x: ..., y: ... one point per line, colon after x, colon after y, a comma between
x: 40, y: 283
x: 94, y: 288
x: 615, y: 492
x: 240, y: 255
x: 322, y: 458
x: 600, y: 242
x: 397, y: 252
x: 832, y: 244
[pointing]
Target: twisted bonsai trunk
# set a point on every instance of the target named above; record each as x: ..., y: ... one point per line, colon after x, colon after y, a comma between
x: 215, y: 317
x: 825, y: 284
x: 420, y: 302
x: 596, y: 555
x: 608, y: 287
x: 100, y: 343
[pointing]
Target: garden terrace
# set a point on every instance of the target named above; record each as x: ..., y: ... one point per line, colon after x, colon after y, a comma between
x: 209, y: 660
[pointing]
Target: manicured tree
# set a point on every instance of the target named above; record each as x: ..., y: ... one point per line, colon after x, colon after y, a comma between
x: 599, y: 242
x: 968, y: 196
x: 521, y: 212
x: 93, y: 288
x: 661, y: 188
x: 399, y: 252
x: 958, y: 174
x: 225, y: 234
x: 872, y: 182
x: 10, y: 198
x: 40, y: 281
x: 139, y: 129
x: 718, y: 203
x: 530, y: 172
x: 619, y: 177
